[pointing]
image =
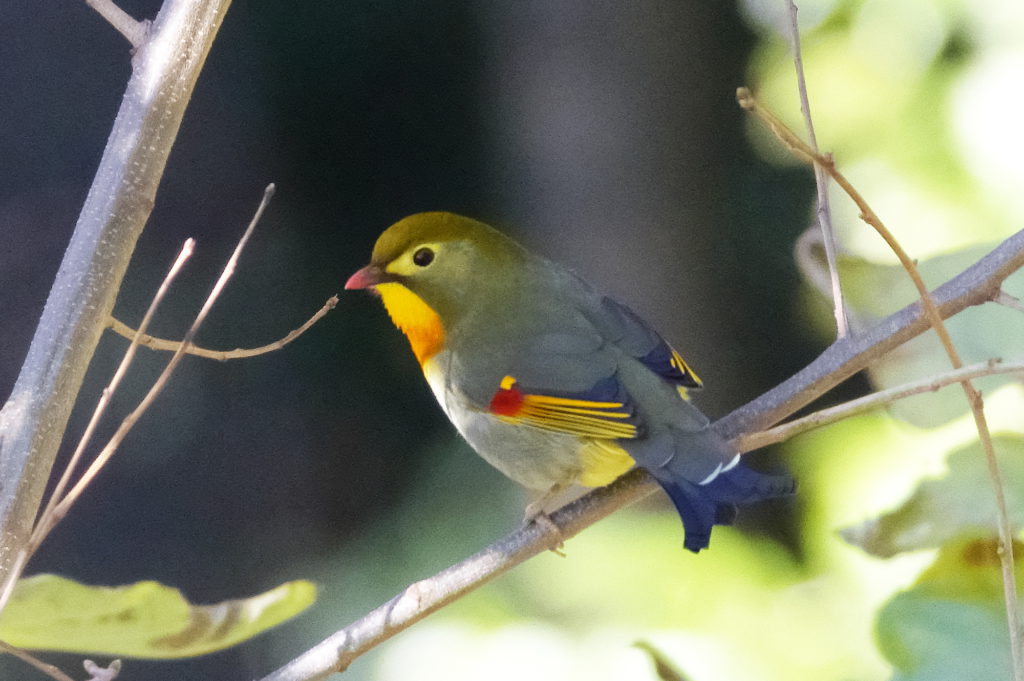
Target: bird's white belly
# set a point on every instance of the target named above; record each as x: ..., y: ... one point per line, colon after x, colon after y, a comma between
x: 537, y: 459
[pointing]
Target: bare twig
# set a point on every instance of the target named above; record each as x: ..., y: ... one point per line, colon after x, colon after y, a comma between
x: 824, y: 417
x: 45, y: 667
x: 824, y: 211
x: 844, y: 358
x: 45, y: 521
x: 61, y: 508
x: 58, y: 508
x: 134, y: 31
x: 935, y: 319
x: 108, y: 392
x: 152, y: 343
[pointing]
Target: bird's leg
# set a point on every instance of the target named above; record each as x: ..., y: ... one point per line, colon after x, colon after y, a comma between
x: 535, y: 513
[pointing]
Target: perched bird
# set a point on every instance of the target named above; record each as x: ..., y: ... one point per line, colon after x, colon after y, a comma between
x: 549, y: 381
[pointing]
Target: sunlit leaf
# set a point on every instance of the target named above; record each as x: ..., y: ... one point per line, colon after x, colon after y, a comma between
x: 952, y: 623
x: 958, y: 503
x: 145, y: 619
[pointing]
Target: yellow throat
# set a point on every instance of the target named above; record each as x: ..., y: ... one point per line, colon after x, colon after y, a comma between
x: 415, y: 318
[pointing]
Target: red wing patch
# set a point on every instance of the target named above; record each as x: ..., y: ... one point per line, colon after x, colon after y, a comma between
x: 605, y: 419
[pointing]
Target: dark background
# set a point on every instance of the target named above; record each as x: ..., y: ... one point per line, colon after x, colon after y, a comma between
x: 604, y: 135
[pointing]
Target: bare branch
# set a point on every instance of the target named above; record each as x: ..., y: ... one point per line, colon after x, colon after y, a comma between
x: 844, y: 358
x: 152, y: 343
x: 418, y: 600
x: 46, y: 519
x: 61, y: 509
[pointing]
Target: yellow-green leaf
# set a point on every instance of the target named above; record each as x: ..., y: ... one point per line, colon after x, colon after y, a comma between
x: 959, y: 503
x: 145, y: 619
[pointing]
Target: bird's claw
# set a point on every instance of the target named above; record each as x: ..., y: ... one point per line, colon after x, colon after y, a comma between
x: 536, y: 514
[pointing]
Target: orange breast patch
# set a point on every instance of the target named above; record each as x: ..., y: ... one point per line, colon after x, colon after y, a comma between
x: 415, y: 318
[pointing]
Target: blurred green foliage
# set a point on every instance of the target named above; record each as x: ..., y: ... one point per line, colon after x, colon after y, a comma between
x: 951, y: 624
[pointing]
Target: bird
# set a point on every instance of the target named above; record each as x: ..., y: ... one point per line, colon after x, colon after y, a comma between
x: 551, y: 382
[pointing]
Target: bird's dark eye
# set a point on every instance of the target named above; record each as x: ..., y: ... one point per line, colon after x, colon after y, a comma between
x: 423, y: 256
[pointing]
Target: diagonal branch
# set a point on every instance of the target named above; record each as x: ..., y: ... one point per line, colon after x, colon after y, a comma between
x: 842, y: 359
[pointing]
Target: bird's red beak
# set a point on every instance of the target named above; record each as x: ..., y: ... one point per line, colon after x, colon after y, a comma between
x: 369, y: 276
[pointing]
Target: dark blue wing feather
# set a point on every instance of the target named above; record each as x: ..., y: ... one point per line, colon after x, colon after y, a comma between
x: 634, y: 336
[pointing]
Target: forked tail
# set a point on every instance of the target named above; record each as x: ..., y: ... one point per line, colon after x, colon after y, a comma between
x: 714, y: 503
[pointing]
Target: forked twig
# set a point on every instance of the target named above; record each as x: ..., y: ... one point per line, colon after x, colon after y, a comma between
x: 108, y: 392
x: 61, y: 508
x: 58, y: 507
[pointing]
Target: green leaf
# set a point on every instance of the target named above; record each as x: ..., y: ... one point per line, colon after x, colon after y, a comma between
x: 979, y: 333
x: 959, y: 503
x: 952, y: 623
x: 145, y: 619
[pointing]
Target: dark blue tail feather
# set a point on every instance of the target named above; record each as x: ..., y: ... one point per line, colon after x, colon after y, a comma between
x: 703, y: 506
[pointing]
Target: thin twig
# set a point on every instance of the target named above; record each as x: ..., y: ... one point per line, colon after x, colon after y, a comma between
x: 824, y: 211
x: 844, y: 358
x: 61, y: 509
x: 839, y: 412
x: 108, y: 392
x: 45, y: 667
x: 868, y: 215
x: 153, y: 343
x: 44, y: 523
x: 126, y: 25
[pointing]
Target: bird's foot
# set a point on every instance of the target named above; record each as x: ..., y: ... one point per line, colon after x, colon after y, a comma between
x: 536, y: 514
